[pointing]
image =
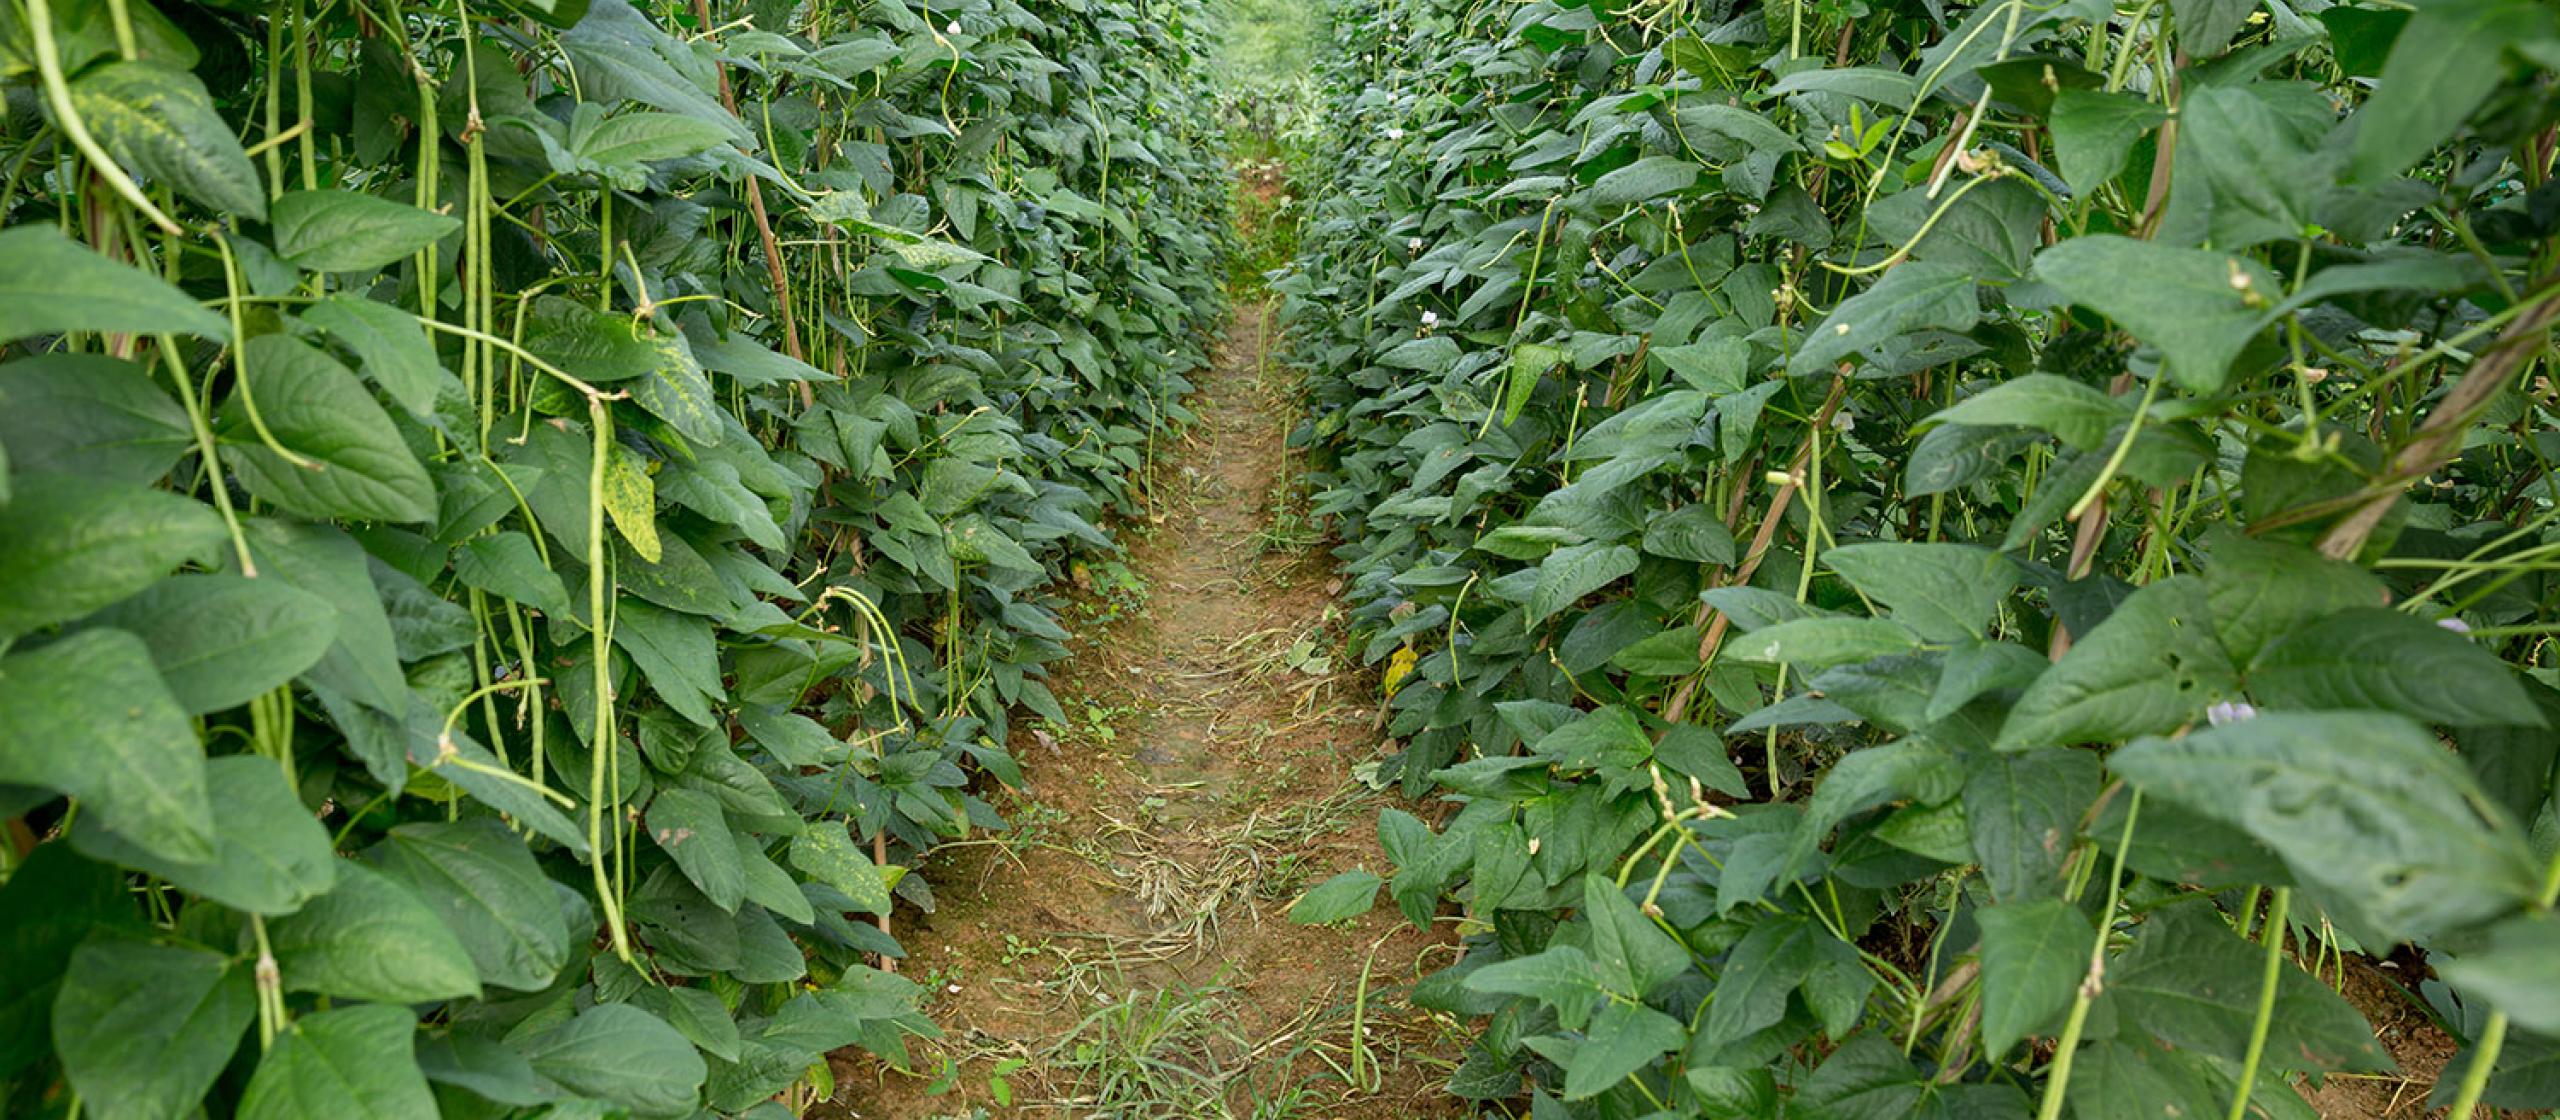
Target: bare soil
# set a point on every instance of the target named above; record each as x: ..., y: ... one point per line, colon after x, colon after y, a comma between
x: 1124, y: 950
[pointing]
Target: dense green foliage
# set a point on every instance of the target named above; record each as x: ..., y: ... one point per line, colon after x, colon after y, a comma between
x: 499, y: 572
x: 1912, y: 526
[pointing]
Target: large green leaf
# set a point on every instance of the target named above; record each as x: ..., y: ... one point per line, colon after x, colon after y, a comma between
x: 270, y: 855
x: 1347, y: 895
x: 159, y: 121
x: 482, y: 880
x: 395, y: 350
x: 1946, y: 592
x: 50, y: 284
x: 2024, y: 809
x: 2263, y: 590
x: 364, y: 662
x: 89, y: 415
x: 220, y: 639
x: 87, y: 716
x: 2375, y: 657
x: 2364, y: 803
x: 2033, y: 957
x: 353, y: 1063
x: 2074, y: 413
x: 2518, y: 972
x: 372, y: 938
x: 70, y: 545
x: 1913, y: 296
x: 52, y: 900
x: 2441, y: 67
x: 2190, y: 983
x: 143, y: 1028
x: 356, y: 465
x: 1568, y: 574
x: 2199, y: 308
x: 690, y: 826
x: 343, y: 231
x: 619, y: 1053
x: 2151, y: 667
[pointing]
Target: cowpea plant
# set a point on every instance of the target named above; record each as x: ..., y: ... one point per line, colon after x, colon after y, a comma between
x: 1953, y: 560
x: 521, y: 519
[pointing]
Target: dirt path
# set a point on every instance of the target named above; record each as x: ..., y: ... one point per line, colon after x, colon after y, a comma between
x: 1123, y: 952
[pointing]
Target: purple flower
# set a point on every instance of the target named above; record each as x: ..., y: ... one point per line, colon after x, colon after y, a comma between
x: 2229, y: 711
x: 2454, y: 624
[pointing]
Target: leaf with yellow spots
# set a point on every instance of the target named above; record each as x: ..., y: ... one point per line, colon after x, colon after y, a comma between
x: 632, y: 500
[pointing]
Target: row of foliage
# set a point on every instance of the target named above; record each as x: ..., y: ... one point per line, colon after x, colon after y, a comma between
x: 499, y: 569
x: 1954, y: 560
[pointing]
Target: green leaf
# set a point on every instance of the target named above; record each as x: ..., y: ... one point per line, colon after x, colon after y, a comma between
x: 2025, y: 810
x: 1912, y: 296
x: 220, y: 639
x: 2033, y: 957
x: 676, y: 652
x: 1813, y: 644
x: 2190, y: 982
x: 2518, y: 972
x: 1340, y: 898
x: 1990, y: 230
x: 87, y: 716
x: 2443, y: 65
x: 2263, y: 590
x: 358, y: 465
x: 1946, y: 592
x: 1604, y: 738
x: 2150, y: 668
x: 1625, y: 1038
x: 353, y: 1063
x: 52, y: 901
x: 827, y: 854
x: 395, y: 350
x: 371, y: 938
x: 143, y: 1028
x: 2193, y: 305
x: 70, y: 545
x: 89, y: 415
x: 1691, y: 533
x: 342, y: 231
x: 1643, y: 181
x: 2376, y: 657
x: 1629, y: 953
x: 1568, y: 574
x: 2074, y: 413
x: 2363, y: 803
x: 159, y: 121
x: 270, y: 856
x: 689, y: 826
x: 637, y: 138
x: 1560, y: 976
x: 52, y: 285
x: 620, y: 1053
x: 509, y: 566
x: 364, y: 662
x: 481, y: 879
x: 2094, y: 131
x: 631, y: 499
x: 1768, y: 965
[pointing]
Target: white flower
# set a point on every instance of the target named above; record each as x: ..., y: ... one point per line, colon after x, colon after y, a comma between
x: 1841, y: 421
x: 2229, y: 711
x: 1430, y: 319
x: 2454, y: 624
x: 1395, y: 134
x: 951, y: 28
x: 1413, y: 246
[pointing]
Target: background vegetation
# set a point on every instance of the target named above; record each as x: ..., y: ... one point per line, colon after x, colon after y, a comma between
x: 1954, y: 561
x: 520, y: 519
